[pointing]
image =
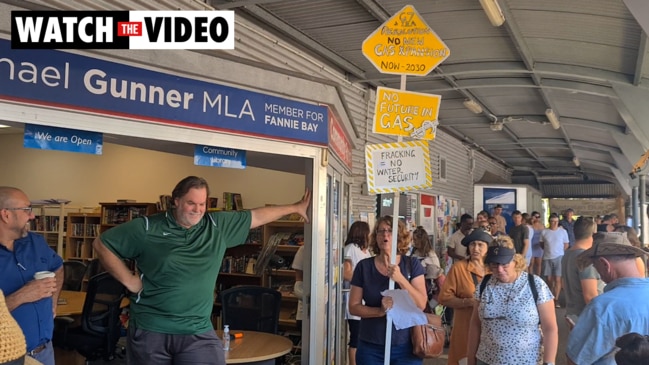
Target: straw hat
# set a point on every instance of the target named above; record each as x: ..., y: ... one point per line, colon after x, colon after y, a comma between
x: 608, y: 244
x: 12, y: 340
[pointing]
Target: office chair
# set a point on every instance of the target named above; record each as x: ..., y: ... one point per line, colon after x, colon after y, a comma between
x: 252, y: 308
x: 94, y: 268
x: 73, y: 274
x: 99, y: 331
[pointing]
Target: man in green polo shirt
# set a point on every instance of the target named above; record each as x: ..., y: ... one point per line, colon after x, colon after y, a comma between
x: 179, y: 255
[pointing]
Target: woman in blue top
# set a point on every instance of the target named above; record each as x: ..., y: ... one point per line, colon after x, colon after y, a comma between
x: 371, y: 277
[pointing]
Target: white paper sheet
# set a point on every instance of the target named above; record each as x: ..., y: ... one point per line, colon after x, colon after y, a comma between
x: 404, y: 312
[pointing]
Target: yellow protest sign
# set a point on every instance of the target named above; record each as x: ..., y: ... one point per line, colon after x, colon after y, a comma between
x: 395, y: 167
x: 406, y: 113
x: 405, y: 45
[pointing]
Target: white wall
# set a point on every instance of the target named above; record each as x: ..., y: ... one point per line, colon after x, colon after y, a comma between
x: 131, y: 173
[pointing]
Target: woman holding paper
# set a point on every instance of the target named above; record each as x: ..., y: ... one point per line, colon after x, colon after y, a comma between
x: 371, y: 277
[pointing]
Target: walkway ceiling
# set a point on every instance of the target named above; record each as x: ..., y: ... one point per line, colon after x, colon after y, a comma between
x: 586, y: 60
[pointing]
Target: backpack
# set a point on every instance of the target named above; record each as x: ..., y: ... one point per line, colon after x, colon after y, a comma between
x: 530, y: 281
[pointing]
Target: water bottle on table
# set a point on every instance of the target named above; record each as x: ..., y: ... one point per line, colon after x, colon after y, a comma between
x: 226, y: 338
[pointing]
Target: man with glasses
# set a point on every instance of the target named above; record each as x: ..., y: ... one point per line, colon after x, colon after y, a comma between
x: 554, y: 241
x: 22, y: 254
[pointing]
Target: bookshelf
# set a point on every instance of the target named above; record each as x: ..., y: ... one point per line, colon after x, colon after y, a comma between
x: 236, y: 268
x: 82, y: 229
x: 49, y: 221
x: 113, y: 214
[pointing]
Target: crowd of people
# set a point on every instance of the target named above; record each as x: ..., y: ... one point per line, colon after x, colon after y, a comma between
x: 503, y: 287
x: 503, y: 284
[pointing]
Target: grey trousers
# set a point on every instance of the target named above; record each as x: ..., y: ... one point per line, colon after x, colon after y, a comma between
x: 152, y: 348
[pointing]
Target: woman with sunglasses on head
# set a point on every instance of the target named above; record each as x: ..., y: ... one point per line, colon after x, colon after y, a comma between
x: 537, y: 251
x: 371, y: 277
x: 457, y: 291
x: 505, y: 323
x: 423, y: 250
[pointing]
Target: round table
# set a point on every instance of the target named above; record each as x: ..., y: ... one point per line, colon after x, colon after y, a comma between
x: 256, y: 347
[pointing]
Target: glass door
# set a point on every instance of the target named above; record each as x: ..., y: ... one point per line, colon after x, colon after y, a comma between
x: 338, y: 208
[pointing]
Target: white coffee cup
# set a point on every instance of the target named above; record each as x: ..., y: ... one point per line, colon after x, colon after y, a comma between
x: 43, y: 274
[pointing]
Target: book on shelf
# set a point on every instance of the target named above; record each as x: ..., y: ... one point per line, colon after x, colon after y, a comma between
x: 237, y: 265
x: 237, y: 201
x: 165, y: 203
x: 212, y: 203
x: 228, y: 201
x: 49, y: 201
x: 126, y: 201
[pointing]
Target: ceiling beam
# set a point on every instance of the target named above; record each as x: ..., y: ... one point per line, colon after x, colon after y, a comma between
x: 232, y: 4
x: 623, y: 181
x: 631, y: 149
x: 580, y: 87
x: 593, y: 125
x: 642, y: 61
x: 304, y: 40
x: 622, y: 162
x: 543, y: 69
x: 375, y: 9
x: 632, y: 103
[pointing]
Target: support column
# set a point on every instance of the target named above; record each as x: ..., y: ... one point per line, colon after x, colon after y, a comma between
x: 635, y: 208
x: 643, y: 207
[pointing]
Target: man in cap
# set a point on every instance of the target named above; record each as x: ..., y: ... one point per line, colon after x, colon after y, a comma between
x: 622, y: 308
x: 569, y: 225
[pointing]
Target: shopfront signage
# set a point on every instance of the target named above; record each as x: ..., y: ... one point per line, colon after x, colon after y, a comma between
x: 338, y: 140
x: 395, y: 167
x: 45, y: 29
x: 405, y: 45
x: 69, y: 81
x: 406, y: 113
x: 62, y: 139
x: 219, y: 157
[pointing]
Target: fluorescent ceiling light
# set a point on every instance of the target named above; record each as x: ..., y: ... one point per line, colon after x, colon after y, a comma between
x: 472, y: 106
x: 575, y: 160
x: 4, y: 126
x: 492, y: 9
x: 552, y: 118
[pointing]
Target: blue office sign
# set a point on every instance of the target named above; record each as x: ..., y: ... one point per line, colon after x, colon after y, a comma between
x: 62, y: 139
x: 219, y: 157
x: 73, y: 82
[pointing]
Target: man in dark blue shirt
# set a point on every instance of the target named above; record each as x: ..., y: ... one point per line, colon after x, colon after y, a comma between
x: 22, y: 254
x: 569, y: 225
